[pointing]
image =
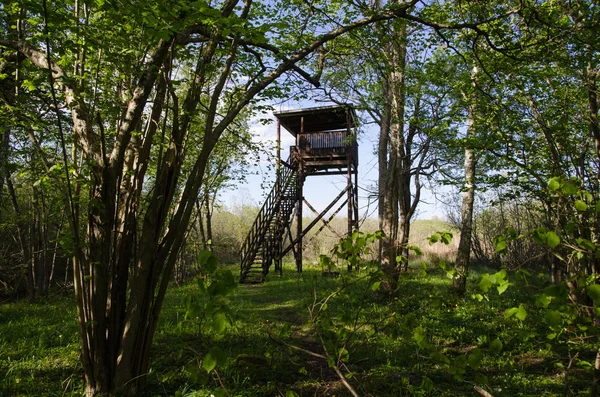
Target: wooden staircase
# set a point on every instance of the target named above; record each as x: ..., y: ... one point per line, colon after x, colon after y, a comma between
x: 263, y: 245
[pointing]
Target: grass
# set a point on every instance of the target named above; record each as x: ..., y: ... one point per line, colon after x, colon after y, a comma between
x: 39, y: 343
x: 39, y: 348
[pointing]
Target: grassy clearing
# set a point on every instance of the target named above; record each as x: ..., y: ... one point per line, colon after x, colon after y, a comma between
x: 39, y: 346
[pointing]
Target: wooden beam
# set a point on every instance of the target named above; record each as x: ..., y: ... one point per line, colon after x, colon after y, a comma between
x: 327, y: 172
x: 317, y: 214
x: 314, y: 222
x: 327, y: 222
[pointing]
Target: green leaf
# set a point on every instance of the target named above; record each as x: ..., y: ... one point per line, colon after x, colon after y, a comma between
x: 580, y: 205
x: 208, y: 261
x: 496, y: 346
x: 220, y: 322
x: 594, y: 292
x: 585, y: 244
x: 481, y: 379
x: 343, y: 354
x: 543, y: 301
x: 427, y: 384
x: 433, y: 238
x: 553, y: 318
x: 569, y: 189
x: 479, y: 297
x: 521, y: 314
x: 500, y: 276
x: 500, y: 246
x: 502, y: 287
x: 416, y: 250
x: 375, y: 285
x: 539, y: 235
x: 203, y: 257
x: 29, y: 85
x: 290, y: 393
x: 554, y: 183
x: 598, y: 207
x: 220, y: 392
x: 209, y: 362
x: 485, y: 283
x: 552, y: 239
x: 420, y: 337
x: 331, y: 361
x: 475, y: 359
x: 584, y: 364
x: 446, y: 238
x: 511, y: 312
x: 439, y: 358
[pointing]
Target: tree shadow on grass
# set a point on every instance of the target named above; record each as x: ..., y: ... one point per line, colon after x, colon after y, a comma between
x: 25, y: 379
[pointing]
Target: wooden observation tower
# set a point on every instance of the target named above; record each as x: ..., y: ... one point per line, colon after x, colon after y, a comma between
x: 325, y: 145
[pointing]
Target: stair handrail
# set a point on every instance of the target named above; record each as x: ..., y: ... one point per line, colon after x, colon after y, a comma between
x: 259, y: 227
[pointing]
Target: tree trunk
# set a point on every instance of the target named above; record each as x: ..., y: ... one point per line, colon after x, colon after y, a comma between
x: 410, y: 172
x: 4, y: 144
x: 208, y: 217
x: 21, y: 234
x: 463, y: 256
x: 382, y: 153
x: 395, y: 99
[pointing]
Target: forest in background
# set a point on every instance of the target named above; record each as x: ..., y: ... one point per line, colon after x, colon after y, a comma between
x: 122, y: 122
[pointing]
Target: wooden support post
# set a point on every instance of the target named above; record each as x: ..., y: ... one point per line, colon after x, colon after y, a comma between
x: 355, y: 197
x: 278, y: 186
x: 350, y: 200
x: 278, y: 147
x: 293, y: 248
x: 278, y: 160
x: 300, y: 198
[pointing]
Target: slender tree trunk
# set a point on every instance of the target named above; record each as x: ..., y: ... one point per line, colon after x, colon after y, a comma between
x: 21, y: 232
x: 208, y: 217
x: 463, y: 256
x: 200, y: 224
x: 410, y: 170
x: 596, y: 381
x: 4, y: 145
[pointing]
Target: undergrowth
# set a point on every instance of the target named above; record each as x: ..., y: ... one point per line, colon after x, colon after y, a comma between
x: 389, y: 355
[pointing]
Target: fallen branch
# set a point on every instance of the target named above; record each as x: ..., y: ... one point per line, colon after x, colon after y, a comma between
x: 321, y: 356
x: 482, y: 392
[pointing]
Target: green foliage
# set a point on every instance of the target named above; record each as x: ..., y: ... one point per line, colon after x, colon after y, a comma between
x: 210, y: 305
x: 354, y: 248
x: 381, y: 353
x: 445, y: 237
x: 535, y: 122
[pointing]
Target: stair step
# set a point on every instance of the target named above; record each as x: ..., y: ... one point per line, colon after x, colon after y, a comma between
x: 265, y: 236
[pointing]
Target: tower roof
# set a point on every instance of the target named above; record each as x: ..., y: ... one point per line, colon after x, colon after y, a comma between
x: 317, y: 119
